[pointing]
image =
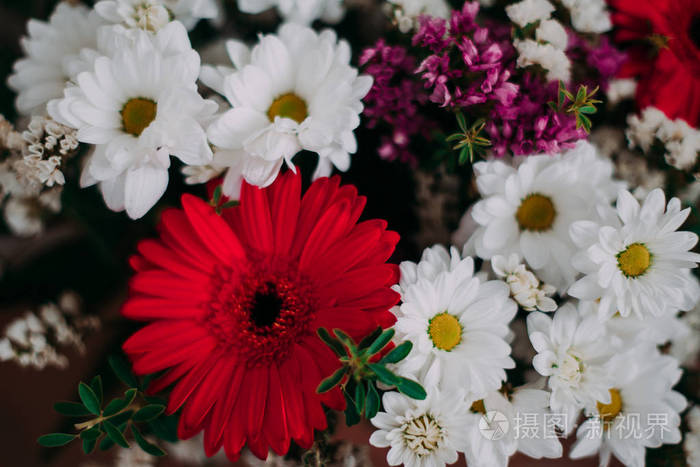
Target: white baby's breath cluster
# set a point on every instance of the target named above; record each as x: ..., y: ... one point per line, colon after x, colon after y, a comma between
x: 681, y: 142
x: 31, y: 175
x: 35, y: 339
x: 525, y: 288
x: 590, y: 16
x: 406, y: 12
x: 548, y: 47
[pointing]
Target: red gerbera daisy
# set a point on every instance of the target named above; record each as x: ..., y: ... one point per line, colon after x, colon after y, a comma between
x: 236, y: 300
x: 665, y: 53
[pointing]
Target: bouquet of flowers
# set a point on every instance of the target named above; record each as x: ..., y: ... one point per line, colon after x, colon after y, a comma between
x: 444, y: 229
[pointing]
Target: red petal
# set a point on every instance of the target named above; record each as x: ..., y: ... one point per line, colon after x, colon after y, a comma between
x: 188, y: 384
x: 166, y: 285
x: 142, y: 308
x: 165, y: 258
x: 223, y: 411
x: 285, y: 198
x: 162, y: 334
x: 276, y: 430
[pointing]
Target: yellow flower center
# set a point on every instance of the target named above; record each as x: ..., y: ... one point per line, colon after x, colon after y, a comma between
x: 445, y: 331
x: 137, y: 114
x: 536, y: 212
x: 608, y: 412
x: 634, y: 260
x: 478, y: 407
x: 288, y: 106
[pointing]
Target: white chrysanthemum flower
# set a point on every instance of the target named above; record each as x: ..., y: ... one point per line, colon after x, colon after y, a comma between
x: 525, y: 288
x: 572, y: 352
x: 457, y: 323
x: 407, y: 12
x: 552, y: 31
x: 138, y: 107
x: 590, y: 16
x: 427, y: 433
x: 529, y: 11
x: 643, y: 410
x: 49, y: 48
x: 501, y: 425
x: 152, y: 15
x: 529, y: 210
x: 691, y: 445
x: 293, y: 91
x: 298, y: 11
x: 549, y: 57
x: 638, y: 265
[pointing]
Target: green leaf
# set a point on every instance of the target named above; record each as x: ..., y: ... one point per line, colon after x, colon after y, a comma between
x: 122, y: 369
x: 461, y: 121
x: 588, y: 109
x: 398, y: 353
x: 384, y: 375
x: 454, y: 137
x: 115, y: 406
x: 333, y: 380
x: 335, y: 345
x: 381, y: 341
x: 71, y: 409
x: 130, y: 395
x: 360, y: 397
x: 96, y: 385
x: 217, y: 195
x: 411, y: 389
x: 347, y: 340
x: 92, y: 433
x: 89, y: 445
x: 53, y: 440
x: 89, y: 398
x: 230, y: 204
x: 165, y: 428
x: 352, y: 417
x: 106, y: 443
x: 367, y: 340
x: 372, y: 404
x: 115, y: 434
x: 147, y: 447
x: 148, y: 413
x: 581, y: 94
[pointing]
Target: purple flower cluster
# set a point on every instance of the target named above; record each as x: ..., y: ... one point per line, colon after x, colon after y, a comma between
x: 529, y: 125
x: 466, y: 65
x: 603, y: 60
x: 395, y: 99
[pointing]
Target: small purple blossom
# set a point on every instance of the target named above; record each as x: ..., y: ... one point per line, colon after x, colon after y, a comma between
x: 529, y: 125
x: 603, y: 59
x: 466, y: 65
x: 395, y: 100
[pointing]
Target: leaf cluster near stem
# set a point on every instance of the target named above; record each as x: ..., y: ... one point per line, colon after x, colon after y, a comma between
x: 468, y: 141
x: 109, y: 423
x: 361, y: 368
x: 581, y: 105
x: 216, y: 199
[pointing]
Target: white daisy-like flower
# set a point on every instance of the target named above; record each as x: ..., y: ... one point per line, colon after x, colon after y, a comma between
x: 293, y: 91
x: 298, y: 11
x: 572, y: 352
x: 138, y: 107
x: 525, y: 288
x: 42, y: 74
x: 643, y: 410
x: 427, y: 433
x: 529, y: 210
x: 638, y: 265
x: 152, y: 15
x: 457, y: 323
x: 529, y: 11
x: 501, y: 424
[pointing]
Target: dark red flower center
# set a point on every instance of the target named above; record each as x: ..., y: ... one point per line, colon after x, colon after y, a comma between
x: 694, y: 31
x: 260, y: 314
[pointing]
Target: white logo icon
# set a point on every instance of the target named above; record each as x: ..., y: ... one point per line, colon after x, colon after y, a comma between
x: 493, y: 425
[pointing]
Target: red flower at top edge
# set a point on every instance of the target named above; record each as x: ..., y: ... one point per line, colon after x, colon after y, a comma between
x: 664, y: 36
